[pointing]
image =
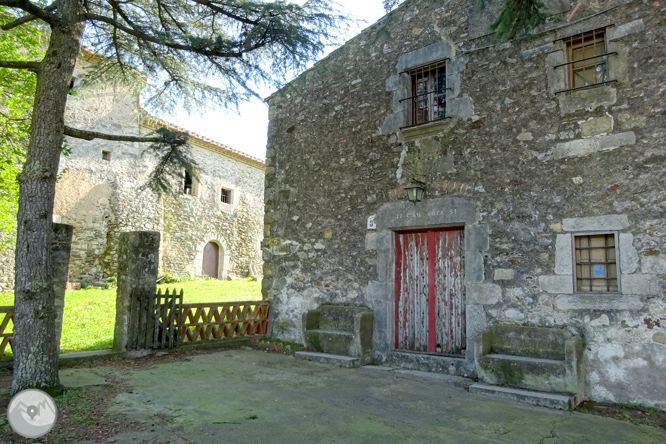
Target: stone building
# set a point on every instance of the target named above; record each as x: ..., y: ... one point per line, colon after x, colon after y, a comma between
x: 542, y: 164
x: 210, y: 226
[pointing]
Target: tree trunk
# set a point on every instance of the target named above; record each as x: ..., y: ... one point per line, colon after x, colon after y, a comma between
x: 35, y: 349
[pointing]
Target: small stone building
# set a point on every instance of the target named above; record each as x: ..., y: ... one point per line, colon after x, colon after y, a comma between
x: 210, y: 226
x: 542, y: 164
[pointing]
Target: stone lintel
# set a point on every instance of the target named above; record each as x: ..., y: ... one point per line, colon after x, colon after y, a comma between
x: 611, y: 222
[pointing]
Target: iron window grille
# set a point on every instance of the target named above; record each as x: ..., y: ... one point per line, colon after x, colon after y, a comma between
x: 428, y: 88
x: 225, y: 196
x: 587, y: 60
x: 596, y: 263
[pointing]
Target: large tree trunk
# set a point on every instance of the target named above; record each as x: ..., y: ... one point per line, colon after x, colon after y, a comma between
x: 35, y: 349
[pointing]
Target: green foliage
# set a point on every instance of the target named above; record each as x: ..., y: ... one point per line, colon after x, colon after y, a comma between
x: 174, y: 157
x: 517, y: 17
x: 17, y: 89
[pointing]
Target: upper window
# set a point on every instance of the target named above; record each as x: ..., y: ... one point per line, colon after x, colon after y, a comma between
x: 587, y: 60
x: 106, y: 155
x: 596, y: 263
x: 190, y: 185
x: 428, y: 100
x: 225, y: 196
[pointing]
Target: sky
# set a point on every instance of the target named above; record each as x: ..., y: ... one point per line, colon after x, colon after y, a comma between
x: 246, y: 131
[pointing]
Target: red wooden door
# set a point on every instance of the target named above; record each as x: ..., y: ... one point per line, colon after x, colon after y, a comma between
x: 430, y: 291
x: 211, y: 257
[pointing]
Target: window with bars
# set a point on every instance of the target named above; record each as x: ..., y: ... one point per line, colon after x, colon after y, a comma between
x: 596, y: 263
x: 428, y: 89
x: 225, y: 196
x: 587, y: 60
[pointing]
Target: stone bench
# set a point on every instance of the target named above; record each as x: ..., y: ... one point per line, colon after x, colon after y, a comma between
x: 539, y: 359
x: 343, y: 331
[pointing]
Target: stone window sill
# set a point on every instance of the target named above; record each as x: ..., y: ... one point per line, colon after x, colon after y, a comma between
x: 596, y: 301
x: 427, y: 129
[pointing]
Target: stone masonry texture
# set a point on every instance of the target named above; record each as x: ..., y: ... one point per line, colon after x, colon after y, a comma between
x: 102, y: 199
x: 530, y: 166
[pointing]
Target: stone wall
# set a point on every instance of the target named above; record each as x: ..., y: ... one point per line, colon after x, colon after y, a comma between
x: 103, y: 198
x: 535, y: 166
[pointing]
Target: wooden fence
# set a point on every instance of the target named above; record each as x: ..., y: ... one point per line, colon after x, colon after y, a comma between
x: 174, y: 323
x: 6, y: 337
x: 167, y: 320
x: 220, y: 320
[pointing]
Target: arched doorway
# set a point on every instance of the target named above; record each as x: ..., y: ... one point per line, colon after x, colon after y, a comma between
x: 211, y: 260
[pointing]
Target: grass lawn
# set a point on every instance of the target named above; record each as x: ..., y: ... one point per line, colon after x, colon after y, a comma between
x: 90, y: 314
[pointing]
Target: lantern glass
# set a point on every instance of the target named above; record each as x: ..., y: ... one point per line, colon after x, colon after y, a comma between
x: 415, y: 191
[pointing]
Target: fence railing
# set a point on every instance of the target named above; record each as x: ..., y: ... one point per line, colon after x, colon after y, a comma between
x: 6, y: 337
x: 167, y: 320
x: 221, y: 320
x: 175, y: 323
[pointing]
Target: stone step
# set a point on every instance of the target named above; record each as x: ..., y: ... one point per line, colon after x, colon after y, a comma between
x: 333, y: 342
x: 539, y: 374
x: 551, y: 400
x: 325, y: 358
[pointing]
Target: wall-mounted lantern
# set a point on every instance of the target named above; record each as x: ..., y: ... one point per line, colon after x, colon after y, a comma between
x: 415, y: 191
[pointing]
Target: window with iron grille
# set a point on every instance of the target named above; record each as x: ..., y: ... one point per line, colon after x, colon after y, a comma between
x: 596, y: 263
x: 587, y: 60
x: 225, y: 196
x: 428, y: 89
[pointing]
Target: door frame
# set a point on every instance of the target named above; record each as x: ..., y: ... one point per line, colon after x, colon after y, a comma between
x: 433, y: 213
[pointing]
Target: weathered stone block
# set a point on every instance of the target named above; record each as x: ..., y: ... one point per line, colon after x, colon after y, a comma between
x: 563, y: 255
x: 503, y: 274
x: 460, y: 108
x: 596, y: 126
x: 625, y: 29
x: 534, y: 342
x: 477, y: 237
x: 612, y: 222
x: 589, y: 99
x: 61, y: 245
x: 628, y: 255
x: 653, y: 264
x: 640, y: 284
x: 556, y: 284
x: 138, y: 255
x: 596, y: 302
x: 483, y: 294
x: 378, y: 241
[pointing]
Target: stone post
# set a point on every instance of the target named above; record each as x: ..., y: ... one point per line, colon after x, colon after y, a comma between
x: 61, y: 246
x: 138, y: 256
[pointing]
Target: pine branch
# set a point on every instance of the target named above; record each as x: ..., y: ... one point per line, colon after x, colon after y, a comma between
x: 171, y: 44
x: 177, y: 139
x: 30, y: 8
x: 27, y: 19
x: 11, y: 64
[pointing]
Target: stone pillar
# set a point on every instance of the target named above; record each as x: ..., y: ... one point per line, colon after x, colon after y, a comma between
x: 61, y: 246
x: 138, y: 256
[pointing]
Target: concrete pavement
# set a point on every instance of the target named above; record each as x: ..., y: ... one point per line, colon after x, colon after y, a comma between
x: 247, y: 396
